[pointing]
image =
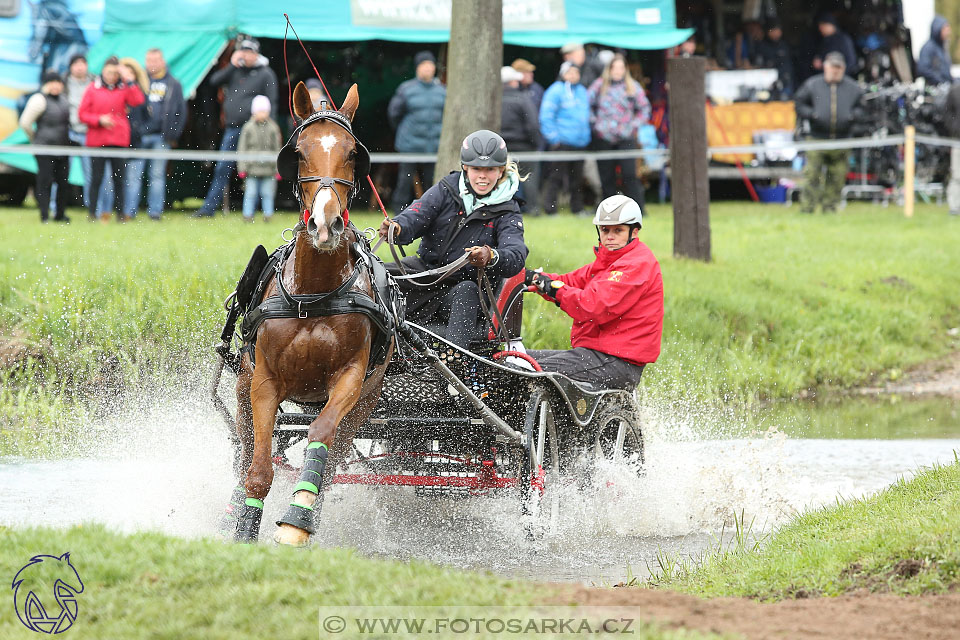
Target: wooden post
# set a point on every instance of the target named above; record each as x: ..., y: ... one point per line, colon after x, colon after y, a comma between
x: 909, y: 166
x: 688, y: 158
x: 474, y: 90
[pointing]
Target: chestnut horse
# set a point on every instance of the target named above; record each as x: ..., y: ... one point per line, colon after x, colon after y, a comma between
x: 312, y: 360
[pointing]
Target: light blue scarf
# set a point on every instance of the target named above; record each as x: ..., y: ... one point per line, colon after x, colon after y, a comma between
x: 503, y: 192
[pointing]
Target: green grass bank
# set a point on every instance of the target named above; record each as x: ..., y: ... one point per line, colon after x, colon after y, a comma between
x: 148, y: 585
x: 790, y: 303
x: 903, y: 540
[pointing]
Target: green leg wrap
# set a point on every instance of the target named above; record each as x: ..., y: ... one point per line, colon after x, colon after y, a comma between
x: 311, y: 479
x: 248, y: 520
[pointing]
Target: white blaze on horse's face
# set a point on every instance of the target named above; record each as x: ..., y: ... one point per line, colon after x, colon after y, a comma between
x: 328, y: 142
x: 318, y: 217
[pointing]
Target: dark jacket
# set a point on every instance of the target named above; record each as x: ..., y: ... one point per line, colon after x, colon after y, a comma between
x: 832, y: 109
x: 535, y: 91
x: 166, y: 108
x: 438, y: 215
x: 416, y: 111
x: 138, y: 117
x: 842, y: 43
x: 934, y: 61
x: 240, y: 86
x: 53, y: 123
x: 777, y: 56
x: 519, y: 121
x: 951, y: 112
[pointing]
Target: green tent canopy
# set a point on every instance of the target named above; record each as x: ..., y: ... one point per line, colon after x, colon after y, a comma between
x: 193, y: 33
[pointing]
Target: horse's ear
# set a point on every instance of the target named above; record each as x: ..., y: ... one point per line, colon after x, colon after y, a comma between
x: 350, y: 103
x: 302, y: 104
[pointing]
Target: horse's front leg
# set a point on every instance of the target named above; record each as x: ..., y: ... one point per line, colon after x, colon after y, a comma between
x: 297, y: 524
x: 265, y: 398
x: 243, y: 453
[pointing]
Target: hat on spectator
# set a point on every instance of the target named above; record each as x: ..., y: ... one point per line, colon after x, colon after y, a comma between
x: 523, y: 65
x: 827, y: 18
x: 314, y: 83
x: 566, y: 66
x: 570, y: 47
x: 509, y: 74
x: 249, y: 44
x: 259, y: 104
x: 773, y: 23
x: 835, y: 58
x: 50, y: 76
x: 424, y: 56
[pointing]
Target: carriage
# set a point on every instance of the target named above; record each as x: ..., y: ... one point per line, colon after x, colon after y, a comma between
x: 452, y: 422
x: 389, y: 402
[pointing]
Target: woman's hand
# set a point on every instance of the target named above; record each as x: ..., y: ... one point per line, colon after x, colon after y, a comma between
x: 106, y: 121
x: 385, y: 228
x: 479, y: 256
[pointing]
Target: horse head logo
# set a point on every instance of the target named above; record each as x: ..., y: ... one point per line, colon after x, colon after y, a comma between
x: 46, y: 580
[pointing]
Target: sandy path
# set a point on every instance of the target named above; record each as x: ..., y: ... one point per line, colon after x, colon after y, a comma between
x: 858, y: 615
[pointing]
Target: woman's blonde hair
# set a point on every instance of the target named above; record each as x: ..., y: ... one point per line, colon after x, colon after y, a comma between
x: 138, y: 70
x: 512, y: 167
x: 627, y: 78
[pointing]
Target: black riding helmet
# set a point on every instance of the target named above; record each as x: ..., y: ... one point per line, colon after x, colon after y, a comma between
x: 483, y: 148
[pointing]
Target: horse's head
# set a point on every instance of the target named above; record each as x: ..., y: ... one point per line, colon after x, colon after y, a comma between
x: 327, y: 162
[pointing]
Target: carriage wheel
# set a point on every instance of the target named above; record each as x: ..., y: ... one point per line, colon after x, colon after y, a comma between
x: 619, y: 440
x: 541, y: 471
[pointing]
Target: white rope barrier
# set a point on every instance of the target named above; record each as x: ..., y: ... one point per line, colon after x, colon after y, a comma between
x: 195, y: 155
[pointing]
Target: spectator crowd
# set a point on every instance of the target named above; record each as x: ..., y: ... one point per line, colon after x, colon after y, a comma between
x: 594, y: 103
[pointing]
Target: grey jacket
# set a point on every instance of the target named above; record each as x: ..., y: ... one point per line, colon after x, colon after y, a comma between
x: 831, y: 109
x: 75, y: 89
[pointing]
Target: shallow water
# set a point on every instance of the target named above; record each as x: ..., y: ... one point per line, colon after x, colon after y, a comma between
x: 155, y: 469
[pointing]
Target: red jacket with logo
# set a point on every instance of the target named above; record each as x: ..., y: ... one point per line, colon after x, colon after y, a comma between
x: 616, y: 303
x: 100, y: 99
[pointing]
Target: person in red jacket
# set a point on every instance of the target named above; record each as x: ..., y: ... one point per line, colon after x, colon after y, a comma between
x: 104, y: 110
x: 616, y: 303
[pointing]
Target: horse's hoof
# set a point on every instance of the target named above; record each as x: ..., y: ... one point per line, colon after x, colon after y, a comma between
x: 290, y: 535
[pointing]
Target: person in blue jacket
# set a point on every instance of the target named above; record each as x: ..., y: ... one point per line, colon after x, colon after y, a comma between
x: 565, y: 125
x: 473, y: 211
x: 934, y: 61
x: 416, y: 111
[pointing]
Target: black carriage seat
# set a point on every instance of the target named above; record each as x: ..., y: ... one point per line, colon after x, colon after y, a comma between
x: 508, y: 298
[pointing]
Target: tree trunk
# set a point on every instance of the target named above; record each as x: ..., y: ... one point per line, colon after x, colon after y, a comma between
x: 474, y: 91
x: 690, y: 184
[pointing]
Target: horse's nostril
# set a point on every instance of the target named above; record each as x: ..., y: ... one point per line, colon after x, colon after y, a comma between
x: 311, y: 225
x: 337, y: 225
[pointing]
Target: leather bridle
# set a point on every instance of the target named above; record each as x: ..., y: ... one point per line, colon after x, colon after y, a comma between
x: 288, y: 161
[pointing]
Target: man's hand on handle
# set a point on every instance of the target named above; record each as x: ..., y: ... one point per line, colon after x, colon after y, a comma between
x: 541, y: 283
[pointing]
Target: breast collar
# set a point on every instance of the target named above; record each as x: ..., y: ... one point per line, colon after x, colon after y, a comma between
x: 288, y: 161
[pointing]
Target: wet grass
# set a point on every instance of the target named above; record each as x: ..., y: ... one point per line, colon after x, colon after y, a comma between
x: 903, y: 540
x: 149, y: 585
x: 791, y: 305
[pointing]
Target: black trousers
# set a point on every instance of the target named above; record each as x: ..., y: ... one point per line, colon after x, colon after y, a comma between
x: 403, y: 193
x: 52, y: 169
x: 455, y: 304
x: 607, y: 169
x: 118, y: 168
x: 555, y: 173
x: 590, y: 366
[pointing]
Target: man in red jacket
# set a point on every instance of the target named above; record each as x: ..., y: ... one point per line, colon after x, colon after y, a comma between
x: 104, y: 110
x: 616, y: 303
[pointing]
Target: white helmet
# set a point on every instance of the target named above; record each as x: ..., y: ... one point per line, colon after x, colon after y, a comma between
x: 618, y: 209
